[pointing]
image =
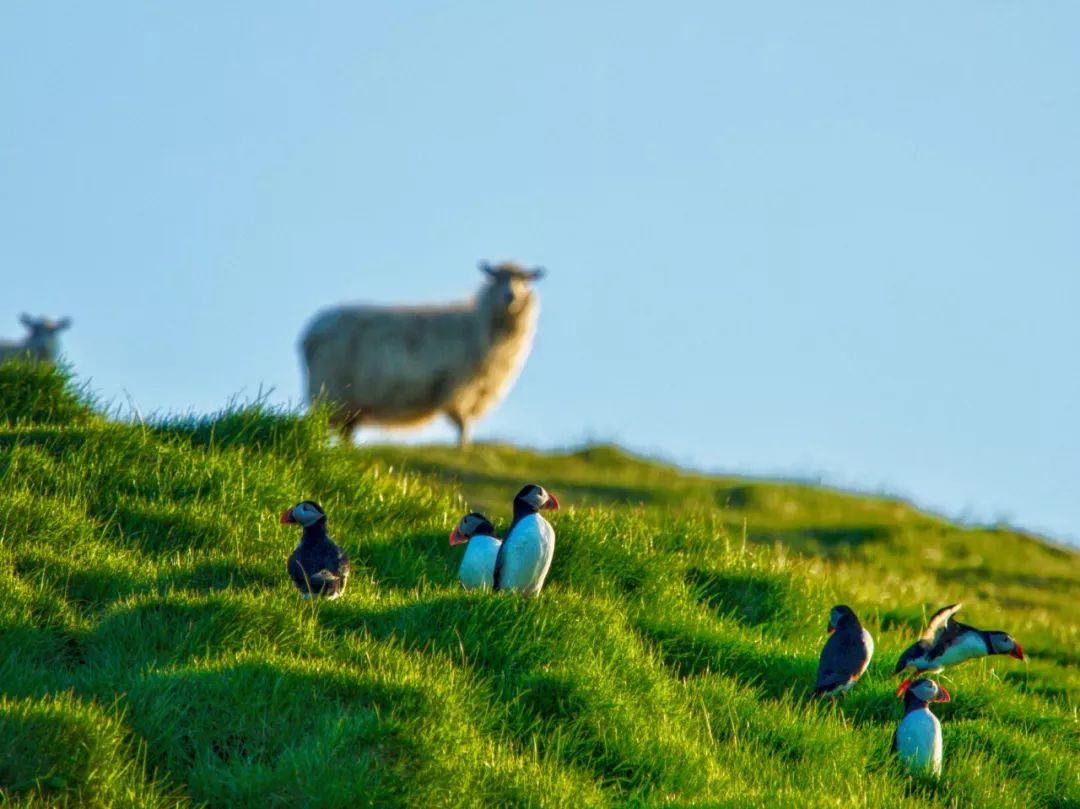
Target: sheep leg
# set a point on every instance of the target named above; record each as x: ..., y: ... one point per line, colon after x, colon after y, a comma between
x: 349, y: 425
x: 462, y: 425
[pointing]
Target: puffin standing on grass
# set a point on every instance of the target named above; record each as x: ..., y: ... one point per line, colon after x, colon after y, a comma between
x: 917, y: 739
x: 526, y: 553
x: 846, y: 654
x: 947, y: 642
x: 317, y: 566
x: 477, y: 571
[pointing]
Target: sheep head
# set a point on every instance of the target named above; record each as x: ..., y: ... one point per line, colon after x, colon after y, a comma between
x: 507, y: 291
x: 41, y: 342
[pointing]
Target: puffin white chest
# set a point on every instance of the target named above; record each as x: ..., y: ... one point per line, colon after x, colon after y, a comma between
x: 918, y: 741
x: 965, y: 647
x: 868, y: 644
x: 478, y: 565
x: 527, y: 554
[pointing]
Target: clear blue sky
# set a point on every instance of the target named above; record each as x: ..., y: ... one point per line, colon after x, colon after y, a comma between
x: 823, y: 240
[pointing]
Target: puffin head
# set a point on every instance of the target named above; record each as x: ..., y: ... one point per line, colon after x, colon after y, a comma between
x: 537, y: 498
x: 838, y: 614
x: 471, y: 525
x: 305, y: 513
x: 1005, y: 644
x: 927, y: 690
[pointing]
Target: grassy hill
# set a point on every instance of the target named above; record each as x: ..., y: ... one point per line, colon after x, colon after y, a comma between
x: 153, y: 652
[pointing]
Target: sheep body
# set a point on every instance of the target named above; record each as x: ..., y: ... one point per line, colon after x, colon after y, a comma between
x: 40, y: 345
x: 402, y: 366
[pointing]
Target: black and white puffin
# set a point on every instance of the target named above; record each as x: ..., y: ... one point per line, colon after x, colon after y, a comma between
x: 917, y: 739
x: 317, y: 566
x: 477, y: 571
x: 947, y: 642
x: 846, y: 654
x: 525, y: 556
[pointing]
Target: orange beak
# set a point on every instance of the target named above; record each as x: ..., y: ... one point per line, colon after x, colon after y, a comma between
x: 1018, y: 653
x: 552, y: 504
x: 943, y: 695
x: 287, y: 517
x: 904, y: 687
x: 457, y: 539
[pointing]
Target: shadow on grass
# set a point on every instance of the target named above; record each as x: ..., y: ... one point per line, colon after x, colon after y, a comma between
x: 691, y: 654
x: 323, y: 734
x: 750, y: 600
x: 144, y: 525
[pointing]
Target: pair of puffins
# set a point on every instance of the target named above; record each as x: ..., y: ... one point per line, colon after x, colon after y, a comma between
x: 521, y: 561
x: 946, y: 642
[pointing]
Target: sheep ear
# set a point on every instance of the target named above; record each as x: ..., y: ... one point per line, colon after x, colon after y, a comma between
x: 536, y: 273
x: 487, y: 268
x: 63, y: 323
x: 26, y: 320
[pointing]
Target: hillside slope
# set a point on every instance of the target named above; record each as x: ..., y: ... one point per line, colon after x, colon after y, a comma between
x: 153, y: 652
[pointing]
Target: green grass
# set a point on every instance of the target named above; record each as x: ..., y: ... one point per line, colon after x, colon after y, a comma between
x: 154, y: 653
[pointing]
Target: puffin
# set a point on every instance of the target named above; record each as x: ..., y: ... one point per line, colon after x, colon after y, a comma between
x: 477, y: 569
x: 917, y: 739
x: 525, y: 556
x: 947, y: 642
x: 317, y: 566
x: 846, y: 654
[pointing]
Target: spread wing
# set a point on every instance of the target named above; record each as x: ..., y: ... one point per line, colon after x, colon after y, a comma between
x: 939, y: 624
x: 843, y: 658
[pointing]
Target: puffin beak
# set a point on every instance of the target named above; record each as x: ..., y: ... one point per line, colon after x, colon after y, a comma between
x: 552, y: 504
x: 904, y: 687
x: 1018, y: 653
x: 943, y: 695
x: 456, y: 538
x: 287, y: 517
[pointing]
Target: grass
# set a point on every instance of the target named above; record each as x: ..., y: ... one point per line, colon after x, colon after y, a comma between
x: 154, y: 653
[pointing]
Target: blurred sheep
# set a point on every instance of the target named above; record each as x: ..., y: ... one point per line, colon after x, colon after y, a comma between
x: 402, y: 365
x: 40, y: 345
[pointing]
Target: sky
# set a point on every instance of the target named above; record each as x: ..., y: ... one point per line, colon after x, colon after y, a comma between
x: 831, y: 241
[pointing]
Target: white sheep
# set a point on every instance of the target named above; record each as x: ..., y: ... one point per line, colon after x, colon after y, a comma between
x: 401, y: 366
x: 40, y: 344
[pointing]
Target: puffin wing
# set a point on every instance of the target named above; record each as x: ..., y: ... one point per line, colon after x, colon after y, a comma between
x: 500, y: 560
x: 324, y: 570
x: 340, y: 563
x: 333, y: 568
x: 843, y: 659
x: 939, y: 625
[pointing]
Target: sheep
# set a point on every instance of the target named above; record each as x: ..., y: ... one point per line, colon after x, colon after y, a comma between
x: 401, y: 366
x: 40, y: 345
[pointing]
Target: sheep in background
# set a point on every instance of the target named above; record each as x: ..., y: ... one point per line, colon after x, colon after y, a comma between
x: 40, y: 344
x: 402, y: 365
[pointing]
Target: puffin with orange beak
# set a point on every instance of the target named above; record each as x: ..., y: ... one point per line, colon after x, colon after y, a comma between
x: 525, y: 556
x: 477, y: 569
x: 917, y: 739
x: 318, y: 566
x: 846, y: 654
x: 947, y: 642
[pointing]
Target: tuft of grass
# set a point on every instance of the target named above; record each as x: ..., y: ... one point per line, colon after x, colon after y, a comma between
x: 40, y: 393
x: 154, y: 653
